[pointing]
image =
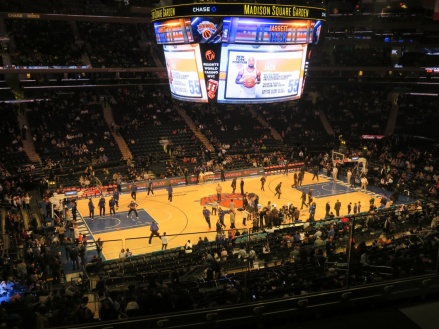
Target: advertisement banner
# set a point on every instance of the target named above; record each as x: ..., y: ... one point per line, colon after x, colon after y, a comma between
x: 238, y: 9
x: 211, y: 54
x: 175, y: 181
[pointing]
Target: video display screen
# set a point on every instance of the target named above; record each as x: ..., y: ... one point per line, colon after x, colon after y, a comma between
x: 236, y: 30
x: 267, y: 30
x: 267, y: 73
x: 185, y: 72
x: 236, y: 59
x: 173, y: 31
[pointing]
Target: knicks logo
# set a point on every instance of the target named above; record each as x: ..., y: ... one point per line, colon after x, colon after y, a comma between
x: 226, y: 198
x: 206, y: 29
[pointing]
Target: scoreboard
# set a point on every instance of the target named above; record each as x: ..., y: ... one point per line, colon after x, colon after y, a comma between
x: 237, y: 53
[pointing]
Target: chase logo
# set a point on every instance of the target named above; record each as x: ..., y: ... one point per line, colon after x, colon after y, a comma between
x: 203, y: 9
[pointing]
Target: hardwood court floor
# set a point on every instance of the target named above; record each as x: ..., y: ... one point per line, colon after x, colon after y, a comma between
x: 182, y: 218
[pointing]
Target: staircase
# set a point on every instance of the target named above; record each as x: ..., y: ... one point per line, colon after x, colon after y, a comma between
x: 80, y: 43
x: 28, y: 144
x: 391, y: 121
x: 263, y: 122
x: 194, y: 129
x: 326, y: 124
x: 108, y: 116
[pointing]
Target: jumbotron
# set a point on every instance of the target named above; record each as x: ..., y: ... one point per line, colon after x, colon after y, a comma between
x: 275, y: 11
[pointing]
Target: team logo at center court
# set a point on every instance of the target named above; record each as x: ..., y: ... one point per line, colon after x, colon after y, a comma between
x: 206, y: 29
x: 225, y: 200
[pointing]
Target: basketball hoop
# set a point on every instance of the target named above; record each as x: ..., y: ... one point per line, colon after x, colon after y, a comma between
x: 337, y: 158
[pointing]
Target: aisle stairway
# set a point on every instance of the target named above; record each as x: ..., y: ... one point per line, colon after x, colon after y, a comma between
x: 326, y: 124
x: 80, y: 43
x: 108, y: 116
x: 263, y: 122
x: 194, y: 129
x: 393, y: 115
x: 28, y: 144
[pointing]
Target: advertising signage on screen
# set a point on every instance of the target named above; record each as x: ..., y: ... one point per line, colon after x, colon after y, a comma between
x: 239, y: 10
x: 267, y: 30
x: 267, y: 73
x: 237, y: 30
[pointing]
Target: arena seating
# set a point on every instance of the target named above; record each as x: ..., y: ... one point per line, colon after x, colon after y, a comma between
x: 43, y: 43
x: 114, y: 45
x: 415, y: 112
x: 12, y: 156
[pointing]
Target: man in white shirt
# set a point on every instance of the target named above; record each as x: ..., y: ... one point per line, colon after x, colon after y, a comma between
x: 219, y: 190
x: 335, y: 173
x: 164, y: 239
x: 245, y: 214
x: 435, y: 222
x: 214, y: 207
x: 188, y: 247
x: 364, y: 183
x: 348, y: 177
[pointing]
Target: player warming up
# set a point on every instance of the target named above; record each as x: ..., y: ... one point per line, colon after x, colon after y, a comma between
x: 278, y: 190
x: 206, y: 215
x: 154, y: 228
x: 133, y: 208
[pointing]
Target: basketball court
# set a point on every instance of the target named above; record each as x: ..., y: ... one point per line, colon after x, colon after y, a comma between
x: 182, y: 218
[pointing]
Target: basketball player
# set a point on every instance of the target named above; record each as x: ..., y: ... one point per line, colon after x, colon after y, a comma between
x: 248, y: 77
x: 133, y: 208
x: 112, y: 204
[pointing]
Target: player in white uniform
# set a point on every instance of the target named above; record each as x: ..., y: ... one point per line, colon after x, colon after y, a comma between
x: 246, y: 74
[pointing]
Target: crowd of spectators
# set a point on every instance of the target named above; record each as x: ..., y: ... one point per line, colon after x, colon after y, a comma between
x: 290, y: 261
x: 115, y: 45
x: 298, y: 260
x: 410, y: 169
x: 153, y: 128
x: 233, y: 130
x: 58, y: 43
x: 309, y: 257
x: 297, y: 122
x: 356, y: 55
x: 74, y: 7
x: 353, y: 111
x: 13, y: 159
x: 10, y: 132
x: 415, y: 112
x: 69, y: 133
x: 43, y: 43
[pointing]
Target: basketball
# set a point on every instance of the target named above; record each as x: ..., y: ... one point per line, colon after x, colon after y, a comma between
x: 249, y: 82
x: 206, y: 34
